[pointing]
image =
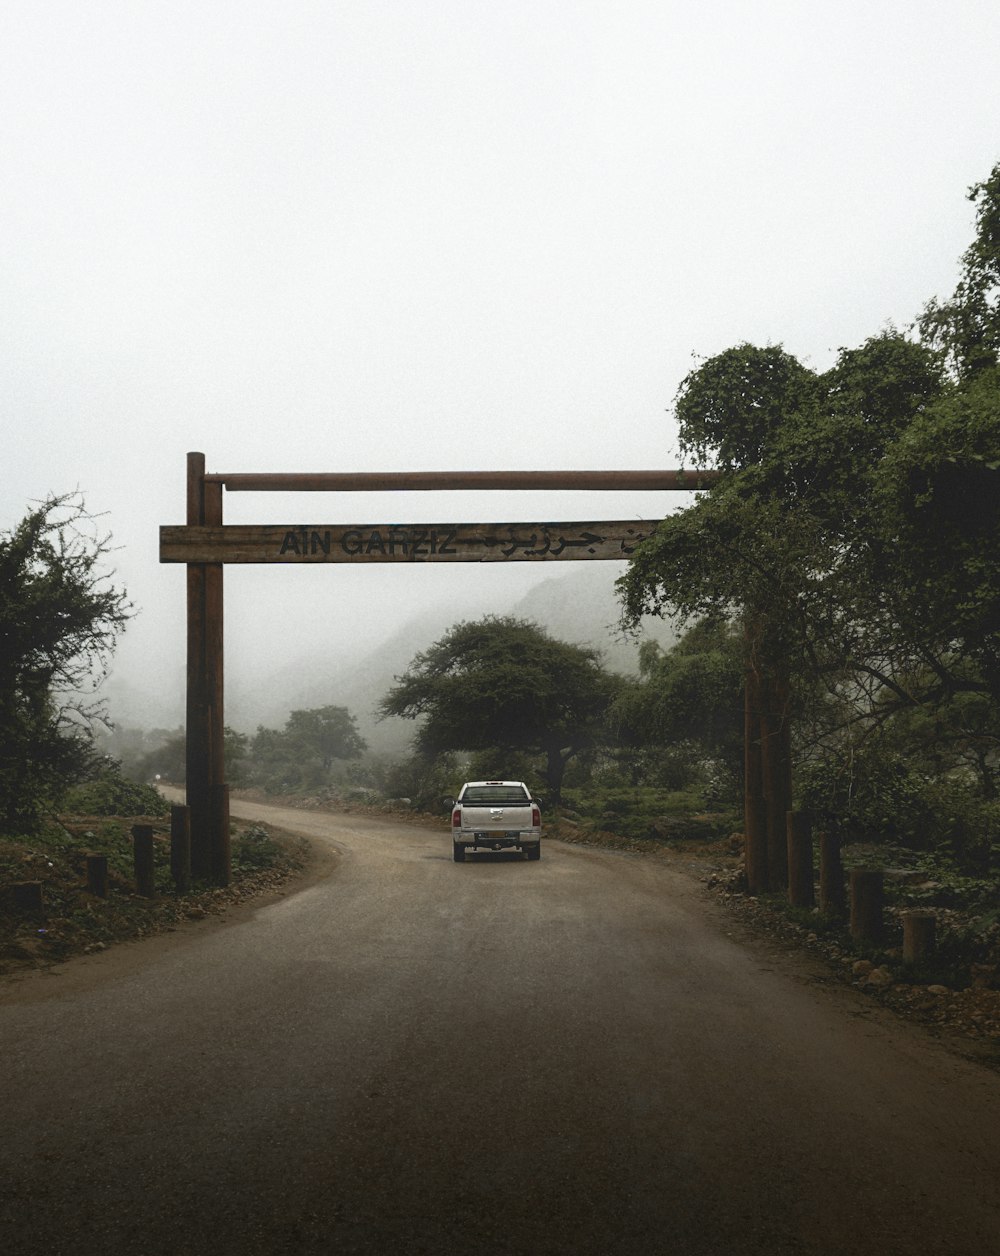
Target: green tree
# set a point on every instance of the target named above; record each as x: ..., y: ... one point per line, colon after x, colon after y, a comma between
x: 272, y: 761
x: 854, y: 533
x: 505, y: 683
x: 59, y: 618
x: 423, y: 779
x: 235, y: 749
x: 168, y: 761
x: 300, y: 756
x: 821, y: 544
x: 325, y: 733
x: 688, y: 698
x: 967, y: 326
x: 730, y: 408
x: 939, y: 496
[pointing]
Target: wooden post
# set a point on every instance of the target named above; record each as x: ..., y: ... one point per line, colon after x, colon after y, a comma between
x: 775, y: 744
x: 142, y: 854
x: 919, y: 935
x: 218, y: 799
x: 221, y: 864
x: 866, y: 904
x: 801, y: 892
x: 214, y: 642
x: 754, y: 806
x: 205, y: 707
x: 197, y: 741
x: 832, y: 899
x: 97, y: 875
x: 180, y: 848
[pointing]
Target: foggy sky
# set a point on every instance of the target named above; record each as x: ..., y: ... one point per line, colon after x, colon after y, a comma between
x: 446, y: 235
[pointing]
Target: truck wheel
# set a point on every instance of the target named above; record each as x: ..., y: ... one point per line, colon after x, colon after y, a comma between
x: 459, y: 850
x: 534, y: 852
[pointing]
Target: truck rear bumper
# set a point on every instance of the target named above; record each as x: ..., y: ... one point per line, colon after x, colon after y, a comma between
x: 499, y: 840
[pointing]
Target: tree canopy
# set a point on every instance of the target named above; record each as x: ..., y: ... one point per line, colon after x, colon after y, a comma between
x: 692, y: 692
x: 300, y: 755
x: 855, y: 527
x: 967, y: 326
x: 681, y: 718
x: 863, y: 537
x: 59, y: 618
x: 504, y: 682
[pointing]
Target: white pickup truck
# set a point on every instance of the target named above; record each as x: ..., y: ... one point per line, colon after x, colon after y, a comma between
x: 495, y: 815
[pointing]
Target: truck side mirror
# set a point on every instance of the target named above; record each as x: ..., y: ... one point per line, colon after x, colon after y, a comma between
x: 447, y: 803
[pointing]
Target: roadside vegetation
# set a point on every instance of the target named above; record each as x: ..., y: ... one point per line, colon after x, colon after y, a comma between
x: 96, y: 817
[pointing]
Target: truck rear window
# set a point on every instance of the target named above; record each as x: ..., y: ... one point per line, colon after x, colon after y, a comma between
x: 493, y: 796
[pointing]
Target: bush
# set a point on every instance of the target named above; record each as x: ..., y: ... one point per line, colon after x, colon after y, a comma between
x: 875, y: 795
x: 965, y: 826
x: 111, y: 794
x: 642, y: 812
x: 882, y: 798
x: 254, y: 848
x: 425, y: 781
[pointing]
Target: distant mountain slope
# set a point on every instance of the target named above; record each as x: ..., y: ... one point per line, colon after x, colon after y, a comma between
x: 580, y: 607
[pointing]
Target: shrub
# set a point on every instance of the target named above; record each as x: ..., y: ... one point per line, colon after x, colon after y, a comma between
x: 874, y: 795
x: 255, y: 848
x: 881, y: 798
x: 425, y: 781
x: 111, y: 794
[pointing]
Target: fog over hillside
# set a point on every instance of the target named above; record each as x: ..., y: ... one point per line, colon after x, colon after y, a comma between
x: 579, y: 607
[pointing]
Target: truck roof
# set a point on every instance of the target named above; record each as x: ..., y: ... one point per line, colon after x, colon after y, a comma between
x: 468, y: 783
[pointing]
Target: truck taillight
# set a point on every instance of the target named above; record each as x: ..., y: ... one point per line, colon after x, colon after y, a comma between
x: 456, y: 818
x: 536, y: 818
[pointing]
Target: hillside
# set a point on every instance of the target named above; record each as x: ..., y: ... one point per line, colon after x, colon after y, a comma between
x: 579, y: 607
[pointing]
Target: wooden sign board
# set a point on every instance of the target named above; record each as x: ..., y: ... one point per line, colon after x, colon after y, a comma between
x: 403, y: 543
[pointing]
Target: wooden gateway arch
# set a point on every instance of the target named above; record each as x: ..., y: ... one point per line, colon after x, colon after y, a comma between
x: 205, y: 544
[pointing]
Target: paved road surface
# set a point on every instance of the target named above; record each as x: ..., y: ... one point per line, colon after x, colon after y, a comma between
x: 418, y: 1056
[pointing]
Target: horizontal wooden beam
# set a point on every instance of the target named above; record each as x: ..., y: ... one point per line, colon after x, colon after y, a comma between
x: 374, y: 481
x: 403, y: 543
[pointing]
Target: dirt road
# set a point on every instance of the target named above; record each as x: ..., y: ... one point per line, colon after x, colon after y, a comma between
x: 417, y: 1056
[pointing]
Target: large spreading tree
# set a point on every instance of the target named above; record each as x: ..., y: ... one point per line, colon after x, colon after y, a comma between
x: 505, y: 683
